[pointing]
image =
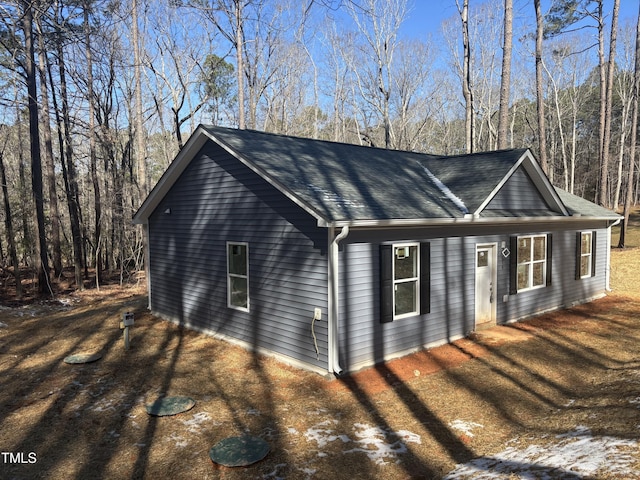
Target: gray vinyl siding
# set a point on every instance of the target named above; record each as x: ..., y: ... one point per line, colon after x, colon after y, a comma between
x: 218, y: 200
x: 518, y: 193
x: 364, y: 340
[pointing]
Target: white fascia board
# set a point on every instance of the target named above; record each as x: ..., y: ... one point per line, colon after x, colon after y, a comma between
x: 467, y: 220
x: 539, y: 179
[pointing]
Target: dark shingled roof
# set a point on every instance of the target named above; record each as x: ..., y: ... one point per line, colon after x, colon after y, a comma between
x: 580, y: 206
x: 350, y: 182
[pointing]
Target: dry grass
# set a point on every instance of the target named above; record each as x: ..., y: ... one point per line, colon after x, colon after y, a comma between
x: 530, y: 381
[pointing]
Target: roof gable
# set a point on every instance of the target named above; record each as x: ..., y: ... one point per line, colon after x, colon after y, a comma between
x: 341, y: 184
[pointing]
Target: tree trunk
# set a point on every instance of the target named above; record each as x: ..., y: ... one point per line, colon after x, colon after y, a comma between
x: 239, y: 61
x: 634, y: 136
x: 466, y: 77
x: 605, y: 111
x: 34, y: 134
x: 542, y: 135
x: 8, y: 223
x: 505, y: 85
x: 141, y: 153
x: 49, y: 167
x: 92, y: 149
x: 68, y: 169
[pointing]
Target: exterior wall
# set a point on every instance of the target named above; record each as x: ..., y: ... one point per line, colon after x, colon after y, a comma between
x: 364, y: 340
x: 217, y: 199
x: 518, y: 193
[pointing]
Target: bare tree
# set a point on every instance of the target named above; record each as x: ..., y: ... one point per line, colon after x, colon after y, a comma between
x: 542, y: 135
x: 141, y: 148
x: 634, y: 137
x: 505, y: 82
x: 93, y: 167
x: 8, y: 219
x: 605, y: 110
x: 378, y: 23
x: 34, y: 132
x: 48, y: 157
x: 467, y: 92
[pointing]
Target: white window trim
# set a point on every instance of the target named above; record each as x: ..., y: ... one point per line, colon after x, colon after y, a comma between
x: 590, y: 254
x: 230, y: 275
x: 532, y: 262
x: 415, y: 279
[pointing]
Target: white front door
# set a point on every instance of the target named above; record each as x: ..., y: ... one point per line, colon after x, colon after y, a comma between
x: 485, y: 285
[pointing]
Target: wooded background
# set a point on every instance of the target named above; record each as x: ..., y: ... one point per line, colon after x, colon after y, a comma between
x: 98, y: 96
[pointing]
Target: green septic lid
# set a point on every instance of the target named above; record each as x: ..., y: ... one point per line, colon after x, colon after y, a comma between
x: 83, y: 358
x: 170, y: 406
x: 239, y: 451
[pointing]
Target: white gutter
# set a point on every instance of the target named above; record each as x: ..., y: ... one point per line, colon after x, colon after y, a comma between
x: 466, y: 220
x: 333, y: 299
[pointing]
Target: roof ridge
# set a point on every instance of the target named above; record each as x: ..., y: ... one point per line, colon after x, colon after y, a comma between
x: 212, y: 129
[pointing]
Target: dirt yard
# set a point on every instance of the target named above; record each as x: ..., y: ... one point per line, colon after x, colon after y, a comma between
x: 557, y: 396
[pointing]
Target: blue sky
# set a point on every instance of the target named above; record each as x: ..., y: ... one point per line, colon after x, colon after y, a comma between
x: 426, y: 16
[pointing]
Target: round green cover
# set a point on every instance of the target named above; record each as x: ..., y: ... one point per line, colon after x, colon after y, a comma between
x: 239, y: 451
x: 170, y: 406
x: 83, y: 358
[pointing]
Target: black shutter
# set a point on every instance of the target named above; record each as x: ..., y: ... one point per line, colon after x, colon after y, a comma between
x: 513, y: 265
x: 593, y: 253
x: 425, y: 277
x: 578, y: 254
x: 386, y: 284
x: 549, y: 258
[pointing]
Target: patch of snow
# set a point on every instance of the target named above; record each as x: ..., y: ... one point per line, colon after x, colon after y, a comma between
x: 195, y: 423
x: 378, y: 443
x: 292, y: 430
x: 445, y: 190
x: 274, y: 474
x: 381, y: 444
x: 308, y: 471
x: 465, y: 427
x: 179, y: 441
x: 575, y: 454
x: 103, y: 405
x: 3, y: 325
x: 254, y: 411
x: 322, y: 434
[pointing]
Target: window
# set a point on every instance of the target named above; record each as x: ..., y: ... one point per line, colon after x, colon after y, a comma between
x: 404, y: 280
x: 531, y: 262
x: 238, y: 275
x: 585, y: 254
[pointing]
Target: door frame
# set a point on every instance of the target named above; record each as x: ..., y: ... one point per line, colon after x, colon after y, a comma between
x: 493, y: 255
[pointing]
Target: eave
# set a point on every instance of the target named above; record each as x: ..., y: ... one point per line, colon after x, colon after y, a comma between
x: 467, y: 220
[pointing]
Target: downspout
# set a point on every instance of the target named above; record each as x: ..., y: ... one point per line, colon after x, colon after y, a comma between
x: 607, y: 280
x: 333, y: 300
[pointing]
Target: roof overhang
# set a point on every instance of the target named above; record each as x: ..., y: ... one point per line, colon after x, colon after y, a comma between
x: 467, y: 220
x: 197, y: 140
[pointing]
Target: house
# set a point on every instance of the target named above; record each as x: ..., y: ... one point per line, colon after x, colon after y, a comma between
x: 334, y: 257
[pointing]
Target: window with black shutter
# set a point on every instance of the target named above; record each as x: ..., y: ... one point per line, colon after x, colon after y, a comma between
x: 405, y: 280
